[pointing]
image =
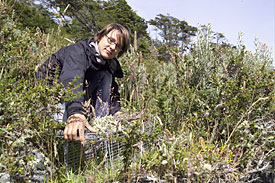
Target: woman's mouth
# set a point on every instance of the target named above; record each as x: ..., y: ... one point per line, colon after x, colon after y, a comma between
x: 108, y: 52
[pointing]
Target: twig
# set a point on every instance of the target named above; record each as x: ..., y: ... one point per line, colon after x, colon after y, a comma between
x: 2, y: 70
x: 97, y: 168
x: 247, y: 112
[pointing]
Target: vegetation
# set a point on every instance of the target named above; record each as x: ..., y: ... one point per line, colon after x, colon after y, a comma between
x: 32, y: 15
x: 210, y: 110
x: 173, y: 32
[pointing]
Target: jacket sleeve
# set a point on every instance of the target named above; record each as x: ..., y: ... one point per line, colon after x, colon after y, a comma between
x: 48, y: 70
x: 74, y: 66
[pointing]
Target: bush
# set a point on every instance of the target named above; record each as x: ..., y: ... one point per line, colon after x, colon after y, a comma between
x: 27, y: 105
x: 212, y: 111
x: 216, y: 111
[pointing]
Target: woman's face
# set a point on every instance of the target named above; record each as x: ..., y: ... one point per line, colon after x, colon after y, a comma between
x: 108, y: 45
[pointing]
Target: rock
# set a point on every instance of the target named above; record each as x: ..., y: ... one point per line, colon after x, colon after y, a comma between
x: 39, y: 161
x: 39, y: 177
x: 5, y: 178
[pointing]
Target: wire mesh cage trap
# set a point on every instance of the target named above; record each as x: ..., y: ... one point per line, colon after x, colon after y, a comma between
x: 104, y: 147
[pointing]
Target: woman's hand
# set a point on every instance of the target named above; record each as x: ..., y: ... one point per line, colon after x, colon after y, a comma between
x: 76, y: 124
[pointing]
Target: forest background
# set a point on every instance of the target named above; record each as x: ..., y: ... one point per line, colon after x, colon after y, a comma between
x: 211, y: 103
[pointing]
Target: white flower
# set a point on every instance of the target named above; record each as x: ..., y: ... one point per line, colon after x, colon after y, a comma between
x: 207, y: 167
x: 164, y: 162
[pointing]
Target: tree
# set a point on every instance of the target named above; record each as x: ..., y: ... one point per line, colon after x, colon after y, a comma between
x: 173, y: 31
x: 32, y: 15
x: 86, y: 17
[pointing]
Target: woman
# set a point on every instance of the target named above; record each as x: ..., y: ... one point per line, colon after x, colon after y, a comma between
x: 93, y: 61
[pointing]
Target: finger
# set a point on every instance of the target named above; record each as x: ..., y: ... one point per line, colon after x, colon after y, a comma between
x: 90, y: 128
x: 66, y: 133
x: 75, y: 128
x: 69, y: 132
x: 81, y: 134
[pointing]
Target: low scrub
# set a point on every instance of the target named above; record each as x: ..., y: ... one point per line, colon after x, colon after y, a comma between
x: 212, y: 112
x: 214, y: 108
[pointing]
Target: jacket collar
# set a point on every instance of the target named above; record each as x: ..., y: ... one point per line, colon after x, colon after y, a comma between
x: 99, y: 58
x: 112, y: 64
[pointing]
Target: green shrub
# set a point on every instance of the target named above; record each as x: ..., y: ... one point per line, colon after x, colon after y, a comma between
x: 211, y: 110
x: 220, y: 94
x: 27, y: 105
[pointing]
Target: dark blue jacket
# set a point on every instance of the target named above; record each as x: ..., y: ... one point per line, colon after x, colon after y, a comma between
x: 77, y: 60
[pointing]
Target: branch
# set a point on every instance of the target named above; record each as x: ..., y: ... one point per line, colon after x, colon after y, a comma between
x: 247, y: 112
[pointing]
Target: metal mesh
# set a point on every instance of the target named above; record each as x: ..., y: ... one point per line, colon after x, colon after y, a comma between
x: 97, y: 146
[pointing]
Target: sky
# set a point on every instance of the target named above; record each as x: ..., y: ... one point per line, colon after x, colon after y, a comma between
x: 254, y: 18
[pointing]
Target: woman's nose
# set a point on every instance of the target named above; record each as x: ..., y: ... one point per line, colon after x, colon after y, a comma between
x: 113, y: 46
